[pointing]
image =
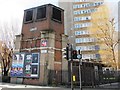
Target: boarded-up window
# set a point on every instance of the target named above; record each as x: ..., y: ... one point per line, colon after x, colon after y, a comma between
x: 58, y: 44
x: 58, y: 55
x: 28, y: 44
x: 56, y: 14
x: 29, y: 16
x: 38, y: 43
x: 33, y: 44
x: 24, y: 44
x: 41, y: 13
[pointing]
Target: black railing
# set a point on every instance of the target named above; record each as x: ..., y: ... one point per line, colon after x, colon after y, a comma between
x: 90, y: 77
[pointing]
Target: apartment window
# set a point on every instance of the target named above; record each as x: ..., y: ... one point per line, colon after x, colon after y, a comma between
x: 77, y: 0
x: 97, y: 47
x: 56, y: 14
x: 88, y: 56
x: 74, y: 6
x: 87, y: 5
x: 82, y: 25
x: 41, y: 13
x: 77, y: 40
x: 84, y: 11
x: 97, y: 56
x: 83, y: 40
x: 77, y: 32
x: 29, y: 16
x: 99, y: 3
x: 95, y: 4
x: 85, y: 56
x: 77, y: 26
x: 75, y: 12
x: 78, y: 47
x: 84, y: 48
x: 82, y: 18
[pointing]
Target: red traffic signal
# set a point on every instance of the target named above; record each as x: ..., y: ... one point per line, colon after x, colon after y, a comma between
x: 74, y: 54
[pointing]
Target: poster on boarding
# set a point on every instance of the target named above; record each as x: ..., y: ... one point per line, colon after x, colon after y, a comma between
x: 17, y: 65
x: 43, y: 42
x: 31, y: 65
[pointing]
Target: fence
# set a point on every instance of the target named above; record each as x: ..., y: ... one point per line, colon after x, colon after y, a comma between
x: 89, y: 76
x: 93, y: 78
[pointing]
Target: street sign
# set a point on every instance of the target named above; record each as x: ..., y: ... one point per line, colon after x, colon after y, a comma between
x: 43, y: 51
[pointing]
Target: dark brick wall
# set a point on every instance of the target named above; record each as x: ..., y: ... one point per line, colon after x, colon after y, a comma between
x: 45, y: 24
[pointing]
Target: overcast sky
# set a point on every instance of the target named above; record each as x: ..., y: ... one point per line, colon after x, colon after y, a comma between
x: 12, y: 10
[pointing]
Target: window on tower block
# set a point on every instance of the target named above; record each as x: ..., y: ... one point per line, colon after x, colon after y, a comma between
x: 29, y: 16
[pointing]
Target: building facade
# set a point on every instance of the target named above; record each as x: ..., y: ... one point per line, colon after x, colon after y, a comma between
x: 80, y: 20
x: 77, y: 23
x: 42, y: 39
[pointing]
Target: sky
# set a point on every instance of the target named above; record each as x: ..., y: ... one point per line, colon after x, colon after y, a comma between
x: 12, y: 10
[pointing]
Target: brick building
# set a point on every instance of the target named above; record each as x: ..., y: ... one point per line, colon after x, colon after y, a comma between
x: 43, y: 33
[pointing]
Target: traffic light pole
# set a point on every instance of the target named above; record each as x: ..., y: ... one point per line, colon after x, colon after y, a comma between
x: 71, y: 69
x: 80, y: 63
x: 80, y: 74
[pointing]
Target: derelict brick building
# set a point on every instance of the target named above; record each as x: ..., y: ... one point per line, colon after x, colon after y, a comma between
x: 43, y: 33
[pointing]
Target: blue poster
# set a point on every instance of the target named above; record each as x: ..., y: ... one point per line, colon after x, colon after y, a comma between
x: 25, y: 65
x: 17, y: 65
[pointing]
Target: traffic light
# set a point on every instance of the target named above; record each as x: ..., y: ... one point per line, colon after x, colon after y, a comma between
x: 74, y: 54
x: 66, y: 53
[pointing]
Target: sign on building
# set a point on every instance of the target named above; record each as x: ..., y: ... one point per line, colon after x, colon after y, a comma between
x: 43, y: 42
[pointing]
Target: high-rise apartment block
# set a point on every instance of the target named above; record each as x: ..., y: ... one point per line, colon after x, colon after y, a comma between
x: 77, y: 23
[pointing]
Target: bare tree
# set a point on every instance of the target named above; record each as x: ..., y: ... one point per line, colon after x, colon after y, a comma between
x: 7, y: 46
x: 6, y: 58
x: 103, y: 29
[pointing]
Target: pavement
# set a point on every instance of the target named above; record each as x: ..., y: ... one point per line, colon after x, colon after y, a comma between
x: 9, y: 86
x: 111, y: 85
